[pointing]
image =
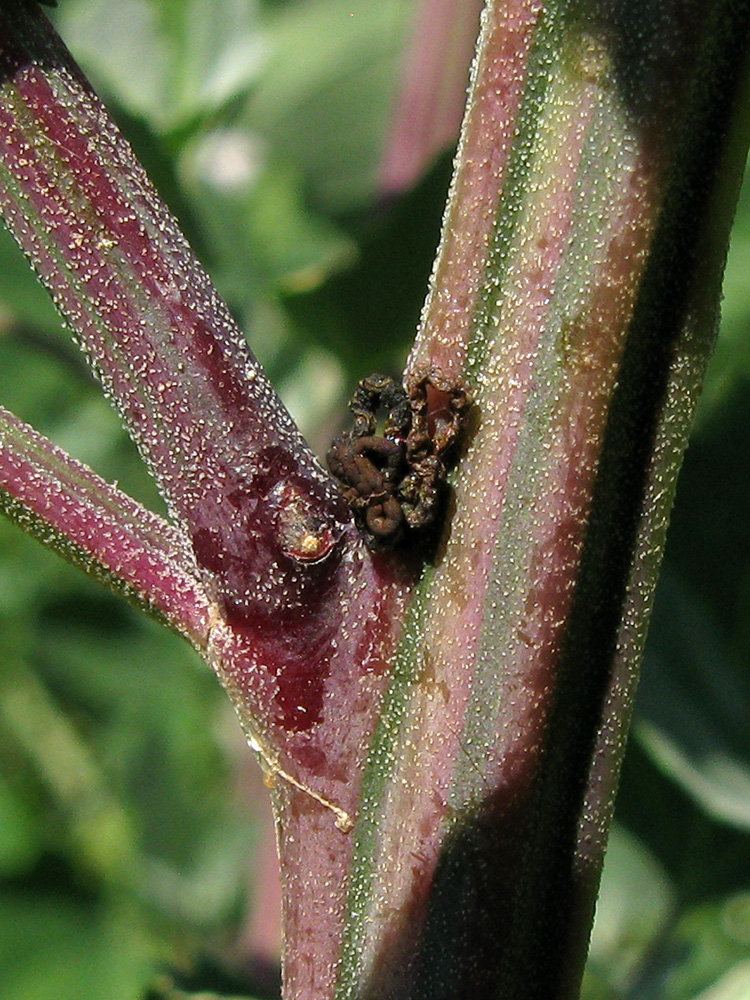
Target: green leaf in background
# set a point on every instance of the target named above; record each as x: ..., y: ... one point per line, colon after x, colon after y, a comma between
x: 191, y: 56
x: 708, y: 952
x: 635, y: 905
x: 733, y: 985
x: 327, y: 90
x: 120, y: 827
x: 266, y: 244
x: 253, y: 214
x: 52, y: 948
x: 694, y: 707
x: 644, y: 947
x: 20, y: 830
x: 731, y: 362
x: 173, y: 994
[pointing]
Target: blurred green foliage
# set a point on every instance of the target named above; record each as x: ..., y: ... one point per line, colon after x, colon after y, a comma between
x: 124, y: 841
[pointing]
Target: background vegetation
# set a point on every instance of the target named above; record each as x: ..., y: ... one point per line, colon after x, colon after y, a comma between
x: 128, y: 805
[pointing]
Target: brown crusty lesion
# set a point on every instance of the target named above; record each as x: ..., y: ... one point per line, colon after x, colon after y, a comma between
x: 393, y: 470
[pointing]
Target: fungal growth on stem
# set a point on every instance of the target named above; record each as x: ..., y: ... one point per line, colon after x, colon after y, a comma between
x: 396, y: 481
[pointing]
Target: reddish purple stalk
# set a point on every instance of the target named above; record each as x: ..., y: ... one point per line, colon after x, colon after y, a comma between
x: 432, y: 92
x: 96, y: 525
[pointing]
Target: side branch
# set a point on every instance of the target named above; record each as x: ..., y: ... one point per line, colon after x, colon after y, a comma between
x: 224, y: 451
x: 72, y: 510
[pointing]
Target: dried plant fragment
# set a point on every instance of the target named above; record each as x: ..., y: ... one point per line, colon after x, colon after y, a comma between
x: 396, y: 481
